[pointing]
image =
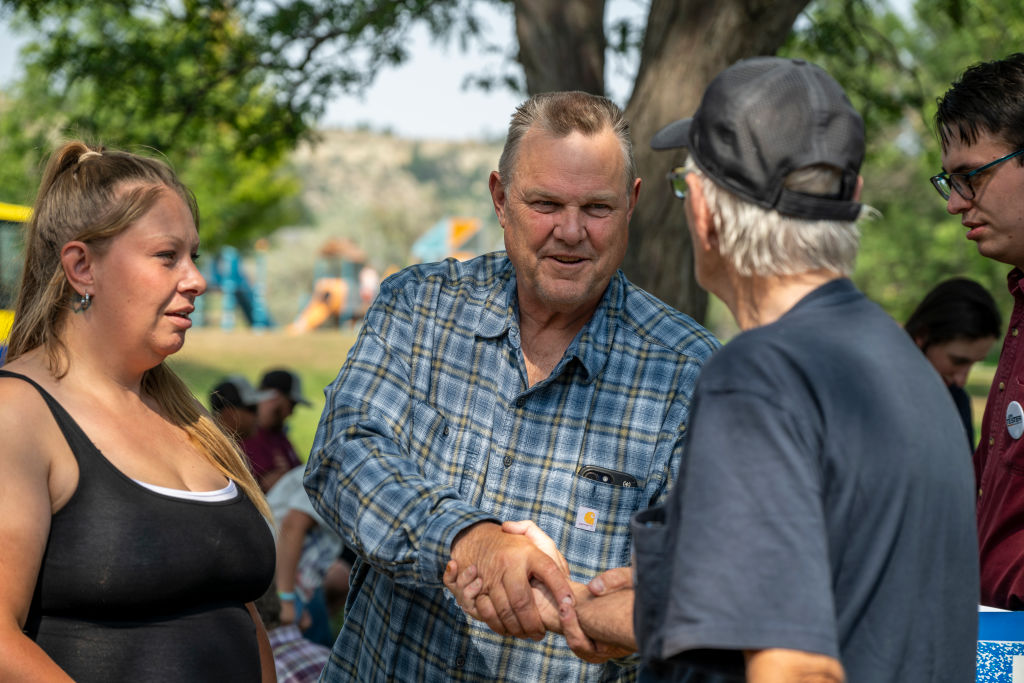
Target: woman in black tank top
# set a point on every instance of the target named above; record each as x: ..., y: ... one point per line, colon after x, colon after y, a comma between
x: 134, y: 537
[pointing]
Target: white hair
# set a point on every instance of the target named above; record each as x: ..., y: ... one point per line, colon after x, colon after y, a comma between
x: 763, y: 242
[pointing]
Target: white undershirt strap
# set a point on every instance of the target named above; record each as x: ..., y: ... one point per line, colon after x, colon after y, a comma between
x: 226, y: 493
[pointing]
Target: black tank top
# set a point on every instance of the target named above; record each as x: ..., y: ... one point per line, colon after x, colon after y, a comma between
x: 139, y: 586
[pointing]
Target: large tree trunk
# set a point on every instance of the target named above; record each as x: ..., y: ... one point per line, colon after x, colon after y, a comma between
x: 561, y: 44
x: 686, y: 44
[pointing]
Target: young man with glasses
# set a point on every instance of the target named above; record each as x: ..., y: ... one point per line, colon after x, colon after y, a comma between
x: 980, y: 122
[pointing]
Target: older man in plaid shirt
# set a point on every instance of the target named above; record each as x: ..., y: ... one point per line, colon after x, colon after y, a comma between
x: 536, y: 383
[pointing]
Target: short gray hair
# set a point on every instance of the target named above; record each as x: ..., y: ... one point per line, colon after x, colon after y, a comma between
x: 560, y: 114
x: 763, y: 242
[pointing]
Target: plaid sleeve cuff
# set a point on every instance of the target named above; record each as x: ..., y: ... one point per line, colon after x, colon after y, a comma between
x: 440, y: 531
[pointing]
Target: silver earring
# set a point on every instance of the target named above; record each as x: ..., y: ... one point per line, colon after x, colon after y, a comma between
x: 81, y: 303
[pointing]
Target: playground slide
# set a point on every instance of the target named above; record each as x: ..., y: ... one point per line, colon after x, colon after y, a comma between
x: 329, y: 297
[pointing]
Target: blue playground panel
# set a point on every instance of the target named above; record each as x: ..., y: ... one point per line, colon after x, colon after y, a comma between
x: 224, y: 272
x: 1000, y: 647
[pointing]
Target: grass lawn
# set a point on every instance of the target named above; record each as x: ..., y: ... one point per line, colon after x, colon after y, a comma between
x: 210, y: 354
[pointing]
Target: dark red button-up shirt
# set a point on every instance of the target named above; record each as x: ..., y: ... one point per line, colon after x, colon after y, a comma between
x: 999, y: 471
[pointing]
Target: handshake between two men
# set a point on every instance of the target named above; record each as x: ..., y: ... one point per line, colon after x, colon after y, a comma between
x: 513, y: 578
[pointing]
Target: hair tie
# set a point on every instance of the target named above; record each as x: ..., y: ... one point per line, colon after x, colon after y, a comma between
x: 86, y: 155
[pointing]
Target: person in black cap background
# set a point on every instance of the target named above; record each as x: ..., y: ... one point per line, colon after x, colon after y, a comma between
x: 268, y: 448
x: 822, y: 526
x: 233, y: 403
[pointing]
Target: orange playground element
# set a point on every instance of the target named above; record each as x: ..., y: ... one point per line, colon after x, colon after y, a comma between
x: 329, y: 297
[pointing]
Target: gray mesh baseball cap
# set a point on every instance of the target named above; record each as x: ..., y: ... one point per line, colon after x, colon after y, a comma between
x: 235, y: 390
x: 765, y: 117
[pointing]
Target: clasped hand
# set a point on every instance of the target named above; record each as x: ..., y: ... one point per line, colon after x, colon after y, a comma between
x: 515, y: 580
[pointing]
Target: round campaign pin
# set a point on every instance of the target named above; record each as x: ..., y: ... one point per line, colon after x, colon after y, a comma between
x: 1015, y: 419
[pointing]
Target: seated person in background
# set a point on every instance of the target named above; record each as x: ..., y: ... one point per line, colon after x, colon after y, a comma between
x: 307, y: 549
x: 233, y: 402
x: 955, y: 325
x: 268, y: 448
x: 296, y: 659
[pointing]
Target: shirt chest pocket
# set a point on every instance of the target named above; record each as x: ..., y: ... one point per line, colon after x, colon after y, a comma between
x: 446, y: 454
x: 599, y: 521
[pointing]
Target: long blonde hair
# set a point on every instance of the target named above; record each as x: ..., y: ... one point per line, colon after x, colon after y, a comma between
x: 91, y: 195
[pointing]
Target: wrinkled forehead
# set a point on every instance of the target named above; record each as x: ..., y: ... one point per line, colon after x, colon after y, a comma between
x: 550, y: 154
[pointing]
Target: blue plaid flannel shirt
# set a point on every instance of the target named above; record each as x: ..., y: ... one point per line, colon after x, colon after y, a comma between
x: 431, y: 426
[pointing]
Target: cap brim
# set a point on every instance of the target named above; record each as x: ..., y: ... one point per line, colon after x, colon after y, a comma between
x: 672, y: 136
x: 262, y: 395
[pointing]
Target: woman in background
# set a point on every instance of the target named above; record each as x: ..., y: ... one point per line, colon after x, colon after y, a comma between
x: 134, y: 537
x: 955, y: 325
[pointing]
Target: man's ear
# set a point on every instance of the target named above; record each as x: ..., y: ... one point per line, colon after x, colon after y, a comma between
x: 860, y: 186
x: 699, y: 214
x: 498, y: 196
x: 634, y: 195
x: 77, y: 260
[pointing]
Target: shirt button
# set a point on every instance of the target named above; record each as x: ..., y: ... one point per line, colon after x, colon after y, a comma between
x: 1002, y: 385
x: 979, y: 493
x: 446, y: 430
x: 1014, y: 332
x: 991, y: 441
x: 520, y: 402
x: 460, y: 662
x: 507, y: 461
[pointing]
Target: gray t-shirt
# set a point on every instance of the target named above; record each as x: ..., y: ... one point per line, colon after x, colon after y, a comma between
x: 825, y: 504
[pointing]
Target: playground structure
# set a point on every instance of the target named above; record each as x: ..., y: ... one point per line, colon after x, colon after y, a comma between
x: 344, y: 284
x: 451, y: 237
x: 343, y: 287
x: 238, y: 295
x: 11, y: 218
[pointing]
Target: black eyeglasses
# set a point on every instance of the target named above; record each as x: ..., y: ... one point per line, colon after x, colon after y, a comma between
x: 677, y: 181
x: 961, y: 182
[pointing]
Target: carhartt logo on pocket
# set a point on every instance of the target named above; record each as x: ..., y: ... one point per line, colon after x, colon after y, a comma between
x: 586, y: 519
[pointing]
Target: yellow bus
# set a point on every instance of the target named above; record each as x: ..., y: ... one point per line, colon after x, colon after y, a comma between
x: 11, y: 218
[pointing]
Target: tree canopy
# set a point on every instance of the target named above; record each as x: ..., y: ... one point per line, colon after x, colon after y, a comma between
x: 895, y: 68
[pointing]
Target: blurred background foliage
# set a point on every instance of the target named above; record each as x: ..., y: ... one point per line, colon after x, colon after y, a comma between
x: 894, y: 69
x: 228, y: 91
